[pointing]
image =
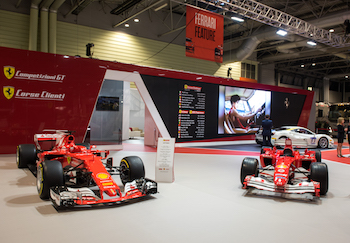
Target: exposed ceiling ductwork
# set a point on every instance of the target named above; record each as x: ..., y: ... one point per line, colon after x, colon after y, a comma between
x: 47, y: 41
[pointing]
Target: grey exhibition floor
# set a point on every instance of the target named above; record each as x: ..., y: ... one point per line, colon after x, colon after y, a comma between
x: 205, y: 204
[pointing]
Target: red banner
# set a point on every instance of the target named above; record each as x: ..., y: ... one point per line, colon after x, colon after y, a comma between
x: 204, y: 35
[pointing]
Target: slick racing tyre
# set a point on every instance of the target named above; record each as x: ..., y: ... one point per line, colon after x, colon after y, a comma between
x: 49, y: 174
x: 131, y: 168
x: 318, y: 155
x: 319, y: 173
x: 249, y: 167
x: 323, y: 143
x: 25, y: 155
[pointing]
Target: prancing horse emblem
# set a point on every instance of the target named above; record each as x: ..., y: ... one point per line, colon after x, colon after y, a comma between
x: 9, y: 71
x: 8, y: 91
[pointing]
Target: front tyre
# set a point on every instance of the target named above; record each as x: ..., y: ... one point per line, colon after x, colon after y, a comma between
x: 25, y: 155
x: 131, y: 168
x: 323, y: 142
x: 49, y: 174
x: 249, y: 167
x: 319, y: 173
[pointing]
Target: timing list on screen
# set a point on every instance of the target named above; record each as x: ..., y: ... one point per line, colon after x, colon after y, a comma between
x: 191, y: 118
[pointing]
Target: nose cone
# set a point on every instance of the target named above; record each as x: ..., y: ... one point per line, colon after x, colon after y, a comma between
x: 281, y: 176
x: 280, y: 181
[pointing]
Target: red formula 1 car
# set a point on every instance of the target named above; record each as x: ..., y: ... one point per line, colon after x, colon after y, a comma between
x: 286, y: 171
x: 70, y: 174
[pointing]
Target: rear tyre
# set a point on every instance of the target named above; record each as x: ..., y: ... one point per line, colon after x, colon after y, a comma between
x: 49, y: 174
x: 319, y: 173
x: 25, y: 155
x: 323, y: 143
x: 131, y: 168
x: 318, y: 155
x: 249, y: 167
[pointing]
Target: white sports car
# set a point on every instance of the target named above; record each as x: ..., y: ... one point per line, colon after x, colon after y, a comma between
x: 298, y: 135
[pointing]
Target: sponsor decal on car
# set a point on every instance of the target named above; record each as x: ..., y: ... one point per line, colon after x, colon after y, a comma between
x: 282, y: 166
x: 102, y: 175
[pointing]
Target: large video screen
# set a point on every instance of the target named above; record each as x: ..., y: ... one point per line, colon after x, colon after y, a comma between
x: 241, y: 110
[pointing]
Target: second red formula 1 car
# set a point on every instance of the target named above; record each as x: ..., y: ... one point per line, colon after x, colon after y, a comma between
x: 70, y: 174
x: 286, y: 171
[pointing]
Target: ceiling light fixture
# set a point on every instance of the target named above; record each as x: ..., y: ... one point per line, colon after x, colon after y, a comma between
x: 331, y: 30
x: 314, y: 64
x: 302, y: 65
x: 136, y: 20
x: 237, y: 19
x: 281, y: 32
x: 311, y: 43
x: 127, y: 25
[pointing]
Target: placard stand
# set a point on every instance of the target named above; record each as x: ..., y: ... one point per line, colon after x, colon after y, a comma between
x: 165, y: 160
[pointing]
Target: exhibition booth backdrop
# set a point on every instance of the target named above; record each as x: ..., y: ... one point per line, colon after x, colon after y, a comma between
x: 49, y: 91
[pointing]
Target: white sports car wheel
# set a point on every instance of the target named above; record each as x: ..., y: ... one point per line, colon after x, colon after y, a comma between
x: 323, y: 142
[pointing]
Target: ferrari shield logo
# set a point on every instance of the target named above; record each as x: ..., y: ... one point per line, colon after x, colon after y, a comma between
x: 9, y: 71
x: 8, y: 91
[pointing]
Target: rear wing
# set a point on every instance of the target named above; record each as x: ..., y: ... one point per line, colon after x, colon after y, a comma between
x: 49, y: 137
x: 300, y: 143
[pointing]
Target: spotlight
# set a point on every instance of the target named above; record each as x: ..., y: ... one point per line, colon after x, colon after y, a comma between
x: 311, y: 43
x: 237, y: 19
x: 281, y: 32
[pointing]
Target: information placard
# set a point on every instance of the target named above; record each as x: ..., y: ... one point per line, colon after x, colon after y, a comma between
x: 165, y: 160
x: 191, y: 119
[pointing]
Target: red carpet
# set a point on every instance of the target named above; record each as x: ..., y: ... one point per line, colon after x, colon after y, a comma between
x: 332, y: 155
x: 326, y: 154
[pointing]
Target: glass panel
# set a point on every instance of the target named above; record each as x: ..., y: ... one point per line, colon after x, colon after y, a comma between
x: 243, y: 70
x: 253, y: 72
x: 107, y: 118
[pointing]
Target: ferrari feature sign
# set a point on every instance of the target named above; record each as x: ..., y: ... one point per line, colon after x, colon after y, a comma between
x: 204, y: 35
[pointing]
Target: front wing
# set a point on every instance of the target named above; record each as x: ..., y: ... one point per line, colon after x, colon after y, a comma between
x: 67, y: 196
x: 299, y: 188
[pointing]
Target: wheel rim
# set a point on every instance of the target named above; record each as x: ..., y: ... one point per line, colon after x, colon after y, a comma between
x: 124, y: 172
x: 323, y: 143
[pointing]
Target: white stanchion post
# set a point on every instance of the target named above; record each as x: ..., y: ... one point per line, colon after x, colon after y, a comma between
x: 165, y: 160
